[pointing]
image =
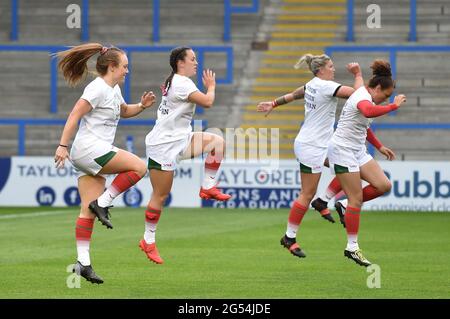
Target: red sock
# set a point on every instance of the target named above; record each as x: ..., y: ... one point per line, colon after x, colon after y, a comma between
x: 83, y: 233
x: 213, y: 161
x: 296, y: 214
x: 151, y: 220
x: 212, y: 164
x: 152, y: 215
x: 120, y: 184
x: 370, y: 192
x: 83, y: 229
x: 295, y: 219
x: 333, y: 188
x: 123, y: 181
x: 352, y: 220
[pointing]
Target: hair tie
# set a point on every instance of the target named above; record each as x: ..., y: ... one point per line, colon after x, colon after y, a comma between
x: 103, y: 51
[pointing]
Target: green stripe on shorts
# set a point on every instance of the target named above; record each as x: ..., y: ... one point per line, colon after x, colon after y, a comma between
x: 305, y: 169
x: 104, y: 159
x: 338, y: 169
x: 153, y: 165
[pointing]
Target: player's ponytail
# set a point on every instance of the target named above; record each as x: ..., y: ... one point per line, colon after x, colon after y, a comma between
x: 177, y: 54
x: 314, y: 62
x: 73, y: 63
x: 382, y: 75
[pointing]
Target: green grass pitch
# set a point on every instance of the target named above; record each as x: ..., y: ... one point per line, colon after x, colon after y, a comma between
x: 224, y: 253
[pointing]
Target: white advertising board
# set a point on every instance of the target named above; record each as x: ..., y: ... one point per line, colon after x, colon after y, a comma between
x: 34, y: 181
x: 416, y: 186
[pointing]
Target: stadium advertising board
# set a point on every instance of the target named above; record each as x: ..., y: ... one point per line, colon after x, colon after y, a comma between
x: 34, y: 181
x: 416, y: 186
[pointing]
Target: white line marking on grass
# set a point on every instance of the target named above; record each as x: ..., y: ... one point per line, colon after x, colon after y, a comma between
x: 36, y: 214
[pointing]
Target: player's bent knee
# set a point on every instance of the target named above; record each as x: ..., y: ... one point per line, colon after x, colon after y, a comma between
x: 141, y: 169
x: 219, y: 142
x: 385, y: 187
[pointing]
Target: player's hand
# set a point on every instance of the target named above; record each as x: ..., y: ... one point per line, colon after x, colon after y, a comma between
x: 60, y: 156
x: 390, y: 155
x: 399, y: 99
x: 147, y: 99
x: 354, y: 68
x: 209, y: 79
x: 265, y: 107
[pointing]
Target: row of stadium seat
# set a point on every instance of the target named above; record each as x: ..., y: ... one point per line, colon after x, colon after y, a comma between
x: 290, y: 27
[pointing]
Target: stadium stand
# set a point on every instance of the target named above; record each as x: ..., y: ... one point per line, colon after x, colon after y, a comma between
x: 295, y: 27
x: 265, y: 44
x: 26, y: 79
x: 291, y: 29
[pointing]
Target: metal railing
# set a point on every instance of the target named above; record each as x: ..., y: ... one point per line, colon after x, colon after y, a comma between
x: 412, y: 21
x: 14, y: 34
x: 85, y: 21
x: 229, y: 9
x: 22, y: 124
x: 156, y: 21
x: 200, y: 50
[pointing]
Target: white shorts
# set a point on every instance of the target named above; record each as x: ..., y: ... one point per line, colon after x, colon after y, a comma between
x: 166, y: 156
x: 90, y: 160
x: 346, y: 160
x: 311, y: 158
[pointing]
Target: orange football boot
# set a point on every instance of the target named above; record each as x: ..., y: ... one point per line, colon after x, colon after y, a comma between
x: 151, y: 251
x: 213, y: 193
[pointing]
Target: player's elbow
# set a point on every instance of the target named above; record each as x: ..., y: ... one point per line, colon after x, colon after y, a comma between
x: 208, y: 104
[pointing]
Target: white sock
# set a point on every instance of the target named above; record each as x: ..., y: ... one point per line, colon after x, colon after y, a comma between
x: 107, y: 197
x: 83, y: 252
x: 209, y: 179
x: 352, y: 242
x: 327, y: 196
x: 150, y: 233
x: 291, y: 230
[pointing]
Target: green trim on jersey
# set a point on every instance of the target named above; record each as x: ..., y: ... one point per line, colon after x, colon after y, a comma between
x: 153, y: 165
x: 338, y: 169
x: 104, y: 159
x: 305, y: 169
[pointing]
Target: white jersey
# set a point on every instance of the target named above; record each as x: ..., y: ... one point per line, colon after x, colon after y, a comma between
x: 174, y: 113
x: 320, y: 110
x: 351, y: 131
x: 101, y: 122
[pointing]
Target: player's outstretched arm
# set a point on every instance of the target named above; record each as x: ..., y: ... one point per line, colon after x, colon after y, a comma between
x: 369, y: 110
x: 130, y: 110
x: 267, y: 106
